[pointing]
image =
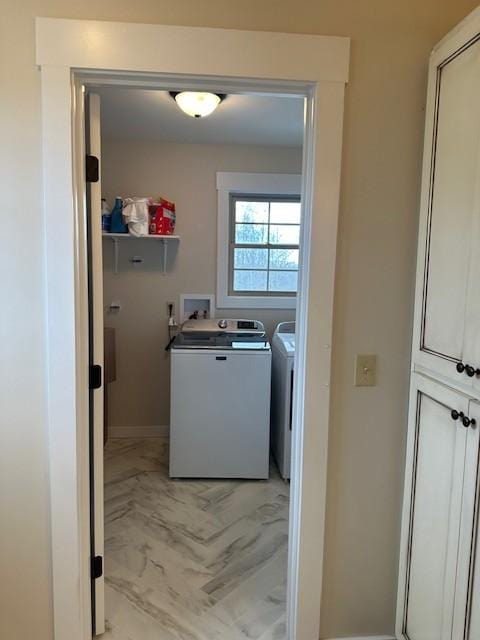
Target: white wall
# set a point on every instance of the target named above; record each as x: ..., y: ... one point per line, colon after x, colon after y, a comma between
x: 186, y: 174
x: 384, y: 120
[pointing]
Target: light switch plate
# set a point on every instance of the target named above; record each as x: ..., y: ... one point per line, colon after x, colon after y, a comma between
x: 365, y: 370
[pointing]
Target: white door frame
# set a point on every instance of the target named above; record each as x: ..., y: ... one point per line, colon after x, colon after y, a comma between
x: 313, y: 66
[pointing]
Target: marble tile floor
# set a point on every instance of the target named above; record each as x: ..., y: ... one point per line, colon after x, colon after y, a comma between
x: 191, y: 560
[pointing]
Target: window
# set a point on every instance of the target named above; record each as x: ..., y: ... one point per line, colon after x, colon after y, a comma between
x: 264, y: 238
x: 258, y: 238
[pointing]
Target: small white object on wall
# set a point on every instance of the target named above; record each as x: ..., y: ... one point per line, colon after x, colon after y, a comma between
x: 114, y: 307
x: 204, y: 303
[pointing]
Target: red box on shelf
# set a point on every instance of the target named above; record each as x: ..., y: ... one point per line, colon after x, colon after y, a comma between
x: 162, y: 218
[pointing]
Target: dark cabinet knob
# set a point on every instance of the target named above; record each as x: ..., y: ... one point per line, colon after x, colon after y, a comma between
x: 468, y: 369
x: 465, y: 420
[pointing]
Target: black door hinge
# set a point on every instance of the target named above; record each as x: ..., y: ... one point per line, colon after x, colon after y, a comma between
x: 91, y: 169
x: 95, y: 381
x: 97, y: 567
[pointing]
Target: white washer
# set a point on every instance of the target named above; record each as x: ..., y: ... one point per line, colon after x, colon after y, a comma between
x: 220, y: 400
x: 283, y: 357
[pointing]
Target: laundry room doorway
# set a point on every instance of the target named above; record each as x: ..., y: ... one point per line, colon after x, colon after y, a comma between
x: 74, y: 508
x: 197, y: 403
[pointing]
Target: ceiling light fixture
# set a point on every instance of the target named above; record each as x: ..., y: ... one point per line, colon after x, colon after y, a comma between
x: 197, y: 104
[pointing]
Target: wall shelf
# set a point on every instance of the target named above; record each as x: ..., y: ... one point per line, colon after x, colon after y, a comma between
x: 116, y: 237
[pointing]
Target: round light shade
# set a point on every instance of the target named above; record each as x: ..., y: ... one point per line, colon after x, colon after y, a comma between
x: 197, y: 103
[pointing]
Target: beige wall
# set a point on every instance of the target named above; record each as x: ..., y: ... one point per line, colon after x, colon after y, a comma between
x: 383, y: 140
x: 186, y: 174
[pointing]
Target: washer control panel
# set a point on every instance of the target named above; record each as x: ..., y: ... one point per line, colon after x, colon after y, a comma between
x: 224, y: 325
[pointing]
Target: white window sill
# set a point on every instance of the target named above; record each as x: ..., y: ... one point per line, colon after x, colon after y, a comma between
x: 256, y: 302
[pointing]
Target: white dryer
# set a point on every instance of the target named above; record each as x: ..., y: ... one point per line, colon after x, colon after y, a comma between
x: 220, y: 400
x: 283, y: 357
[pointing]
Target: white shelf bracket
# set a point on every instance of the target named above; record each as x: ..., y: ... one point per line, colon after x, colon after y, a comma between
x: 165, y: 254
x: 115, y: 254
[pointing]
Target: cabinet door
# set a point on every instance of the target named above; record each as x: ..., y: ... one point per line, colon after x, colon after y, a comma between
x: 472, y: 625
x: 436, y: 453
x: 448, y: 211
x: 467, y: 608
x: 472, y: 320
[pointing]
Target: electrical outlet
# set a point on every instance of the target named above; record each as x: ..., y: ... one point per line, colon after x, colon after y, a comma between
x: 365, y: 370
x: 170, y: 309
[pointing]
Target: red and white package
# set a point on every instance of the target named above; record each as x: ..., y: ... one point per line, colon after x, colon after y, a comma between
x: 162, y: 218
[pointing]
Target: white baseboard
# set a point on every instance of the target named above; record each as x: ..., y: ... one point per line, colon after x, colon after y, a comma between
x: 157, y: 431
x: 365, y: 638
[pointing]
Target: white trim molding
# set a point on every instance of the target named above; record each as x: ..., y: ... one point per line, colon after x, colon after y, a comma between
x: 101, y: 45
x: 365, y: 638
x: 251, y: 183
x: 266, y: 183
x: 132, y: 431
x: 75, y: 53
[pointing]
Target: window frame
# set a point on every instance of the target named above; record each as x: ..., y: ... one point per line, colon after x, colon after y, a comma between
x: 255, y: 197
x: 244, y: 185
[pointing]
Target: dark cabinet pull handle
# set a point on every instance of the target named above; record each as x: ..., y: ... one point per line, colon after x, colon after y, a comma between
x: 469, y: 370
x: 465, y: 420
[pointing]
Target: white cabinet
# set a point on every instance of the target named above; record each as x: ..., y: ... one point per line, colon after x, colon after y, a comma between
x: 439, y: 569
x: 448, y: 292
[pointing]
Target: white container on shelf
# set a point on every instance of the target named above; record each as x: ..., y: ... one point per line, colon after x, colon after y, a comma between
x: 135, y: 214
